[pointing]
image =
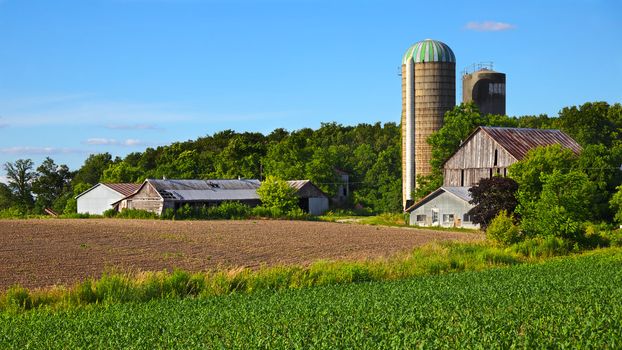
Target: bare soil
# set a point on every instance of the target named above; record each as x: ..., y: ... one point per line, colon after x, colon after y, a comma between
x: 47, y: 252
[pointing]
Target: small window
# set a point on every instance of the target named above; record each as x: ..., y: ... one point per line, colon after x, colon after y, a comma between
x: 448, y: 218
x: 496, y: 158
x: 421, y: 218
x: 466, y: 218
x: 462, y: 177
x: 345, y: 191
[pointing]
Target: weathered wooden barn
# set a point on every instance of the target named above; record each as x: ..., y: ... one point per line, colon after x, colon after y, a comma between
x: 158, y: 195
x: 445, y: 207
x: 489, y: 151
x: 100, y: 197
x: 311, y: 199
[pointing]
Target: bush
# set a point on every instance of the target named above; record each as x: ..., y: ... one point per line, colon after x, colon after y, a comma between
x: 543, y: 247
x: 12, y: 213
x: 503, y: 230
x: 136, y: 214
x: 276, y: 193
x: 229, y: 210
x: 110, y: 213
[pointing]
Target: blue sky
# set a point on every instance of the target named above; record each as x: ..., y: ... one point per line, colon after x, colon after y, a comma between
x: 82, y: 77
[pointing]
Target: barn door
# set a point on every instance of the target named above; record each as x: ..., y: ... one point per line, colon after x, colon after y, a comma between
x: 435, y: 217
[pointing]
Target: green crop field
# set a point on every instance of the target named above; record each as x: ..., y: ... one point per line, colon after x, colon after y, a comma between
x: 571, y: 302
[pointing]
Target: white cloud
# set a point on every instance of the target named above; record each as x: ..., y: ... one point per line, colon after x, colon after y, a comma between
x: 100, y: 141
x: 4, y: 179
x: 113, y: 142
x: 489, y: 26
x: 27, y: 150
x: 132, y: 142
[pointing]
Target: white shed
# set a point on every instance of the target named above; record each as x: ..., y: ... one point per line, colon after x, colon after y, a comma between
x: 100, y: 197
x: 445, y: 207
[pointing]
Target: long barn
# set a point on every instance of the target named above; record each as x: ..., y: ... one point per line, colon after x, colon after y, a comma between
x: 159, y: 195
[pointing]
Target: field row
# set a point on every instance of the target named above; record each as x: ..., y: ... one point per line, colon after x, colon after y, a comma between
x: 571, y: 302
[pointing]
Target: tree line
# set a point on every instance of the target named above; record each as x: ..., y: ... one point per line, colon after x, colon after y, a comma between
x: 370, y: 153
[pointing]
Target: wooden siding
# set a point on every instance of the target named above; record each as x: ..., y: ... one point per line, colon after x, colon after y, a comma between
x: 475, y: 160
x: 147, y: 198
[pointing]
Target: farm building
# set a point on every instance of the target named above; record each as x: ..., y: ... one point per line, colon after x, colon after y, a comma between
x: 100, y: 197
x: 158, y: 195
x: 310, y: 198
x: 489, y: 151
x: 446, y: 207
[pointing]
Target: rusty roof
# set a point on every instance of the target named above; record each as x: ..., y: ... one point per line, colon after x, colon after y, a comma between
x: 519, y: 141
x: 125, y: 189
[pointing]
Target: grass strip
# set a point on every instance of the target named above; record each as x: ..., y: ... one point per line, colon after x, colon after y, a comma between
x: 431, y: 259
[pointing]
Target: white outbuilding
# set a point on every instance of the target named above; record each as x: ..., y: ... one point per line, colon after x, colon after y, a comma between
x: 445, y: 207
x: 100, y: 197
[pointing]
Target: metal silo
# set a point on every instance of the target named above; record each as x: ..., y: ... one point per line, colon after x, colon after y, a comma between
x: 485, y: 87
x: 428, y: 91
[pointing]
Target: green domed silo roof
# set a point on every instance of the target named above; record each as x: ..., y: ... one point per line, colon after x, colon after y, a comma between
x: 429, y: 50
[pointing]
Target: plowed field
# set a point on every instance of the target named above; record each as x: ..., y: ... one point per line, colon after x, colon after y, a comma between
x: 42, y: 253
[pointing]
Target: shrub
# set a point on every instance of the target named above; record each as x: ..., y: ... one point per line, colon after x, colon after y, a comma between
x: 11, y: 213
x: 136, y: 214
x: 110, y: 213
x: 229, y: 210
x: 276, y: 193
x: 503, y: 230
x: 543, y: 247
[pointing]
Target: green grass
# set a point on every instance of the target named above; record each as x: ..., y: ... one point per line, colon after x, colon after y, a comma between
x: 570, y: 302
x: 428, y: 260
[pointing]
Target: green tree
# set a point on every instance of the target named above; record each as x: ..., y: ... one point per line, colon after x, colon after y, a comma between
x: 589, y: 124
x: 457, y: 125
x: 20, y: 176
x: 616, y: 204
x: 563, y: 206
x: 6, y: 196
x: 93, y: 168
x: 276, y: 194
x: 538, y: 161
x: 121, y: 172
x: 50, y: 183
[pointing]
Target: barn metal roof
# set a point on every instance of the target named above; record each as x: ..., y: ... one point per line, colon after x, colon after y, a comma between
x: 297, y: 184
x: 207, y: 190
x: 124, y: 188
x: 461, y: 193
x: 519, y: 141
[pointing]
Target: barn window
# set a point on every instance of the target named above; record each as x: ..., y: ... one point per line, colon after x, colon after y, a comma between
x: 462, y: 177
x: 421, y: 218
x: 466, y: 218
x: 496, y: 158
x: 448, y: 218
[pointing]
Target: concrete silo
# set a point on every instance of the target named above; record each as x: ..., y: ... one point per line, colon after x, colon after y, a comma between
x: 486, y: 88
x: 428, y: 91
